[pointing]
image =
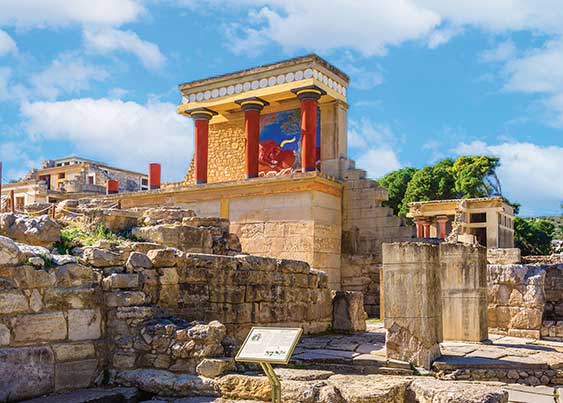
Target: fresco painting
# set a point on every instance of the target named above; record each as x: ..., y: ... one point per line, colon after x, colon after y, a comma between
x: 280, y: 142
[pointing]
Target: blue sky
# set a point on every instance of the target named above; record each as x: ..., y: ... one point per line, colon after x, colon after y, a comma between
x: 430, y: 79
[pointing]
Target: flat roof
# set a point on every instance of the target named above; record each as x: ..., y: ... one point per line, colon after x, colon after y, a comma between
x: 266, y: 67
x: 475, y: 199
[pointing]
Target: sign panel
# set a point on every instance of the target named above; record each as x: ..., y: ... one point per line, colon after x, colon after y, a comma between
x: 269, y: 344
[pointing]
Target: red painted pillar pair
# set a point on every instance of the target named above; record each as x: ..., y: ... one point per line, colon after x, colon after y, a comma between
x: 309, y: 97
x: 201, y: 117
x: 252, y: 108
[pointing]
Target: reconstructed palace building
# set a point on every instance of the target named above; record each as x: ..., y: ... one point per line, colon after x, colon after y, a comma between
x: 271, y: 156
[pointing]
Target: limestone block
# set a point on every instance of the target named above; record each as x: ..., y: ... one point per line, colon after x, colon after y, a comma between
x: 73, y: 275
x: 75, y: 297
x: 245, y: 387
x: 124, y: 298
x: 413, y: 312
x: 168, y: 275
x: 84, y: 324
x: 121, y: 280
x: 503, y: 256
x: 164, y: 257
x: 370, y: 388
x: 98, y: 257
x: 138, y: 261
x: 124, y: 360
x: 40, y: 231
x: 427, y: 390
x: 49, y: 326
x: 35, y: 301
x: 73, y: 351
x: 26, y: 372
x: 166, y: 383
x: 10, y: 253
x: 348, y: 313
x: 464, y: 292
x: 31, y: 277
x: 214, y: 367
x: 75, y: 374
x: 4, y: 335
x: 12, y: 302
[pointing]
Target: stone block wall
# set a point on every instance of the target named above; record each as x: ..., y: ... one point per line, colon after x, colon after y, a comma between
x: 226, y: 152
x: 51, y: 329
x: 65, y: 320
x: 366, y: 226
x: 516, y: 299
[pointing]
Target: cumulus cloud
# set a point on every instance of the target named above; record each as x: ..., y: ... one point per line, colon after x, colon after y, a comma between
x: 500, y: 53
x: 66, y: 74
x: 373, y: 145
x: 42, y: 13
x: 530, y: 174
x: 110, y: 39
x: 7, y: 44
x: 127, y: 134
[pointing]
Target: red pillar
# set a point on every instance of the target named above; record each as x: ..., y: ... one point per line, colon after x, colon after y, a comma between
x: 419, y: 228
x: 154, y: 176
x: 252, y: 108
x: 442, y: 221
x: 112, y: 187
x: 201, y: 117
x: 426, y: 226
x: 309, y: 97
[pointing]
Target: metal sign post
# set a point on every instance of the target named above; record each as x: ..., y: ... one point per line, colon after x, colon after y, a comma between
x: 267, y: 346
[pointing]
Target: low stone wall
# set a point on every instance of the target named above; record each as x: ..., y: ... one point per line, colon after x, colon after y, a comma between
x: 362, y: 273
x: 51, y: 326
x: 64, y: 320
x: 526, y: 300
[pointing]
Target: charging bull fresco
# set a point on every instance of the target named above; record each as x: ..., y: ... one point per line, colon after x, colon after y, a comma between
x: 280, y: 143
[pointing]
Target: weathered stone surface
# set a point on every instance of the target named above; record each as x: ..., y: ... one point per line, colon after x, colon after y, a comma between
x: 370, y: 388
x: 428, y: 390
x: 93, y: 395
x: 84, y: 324
x: 245, y: 387
x: 40, y: 327
x: 75, y: 374
x: 125, y: 298
x: 121, y: 280
x: 166, y: 383
x: 214, y: 367
x: 26, y: 372
x: 10, y: 253
x: 184, y: 237
x: 13, y: 301
x: 413, y: 313
x: 348, y: 313
x: 40, y: 231
x: 464, y: 292
x: 73, y: 351
x: 32, y: 277
x: 4, y: 335
x: 164, y: 215
x: 99, y: 257
x: 138, y: 261
x: 164, y: 257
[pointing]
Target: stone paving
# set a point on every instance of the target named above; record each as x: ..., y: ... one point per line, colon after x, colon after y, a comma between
x: 502, y: 358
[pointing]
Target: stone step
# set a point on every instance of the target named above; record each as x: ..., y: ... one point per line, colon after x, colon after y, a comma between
x: 93, y: 395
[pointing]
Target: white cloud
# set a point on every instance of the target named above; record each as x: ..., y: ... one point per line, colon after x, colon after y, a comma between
x: 42, y: 13
x: 109, y: 40
x: 442, y: 36
x: 537, y: 71
x: 530, y: 174
x: 373, y: 144
x: 66, y: 74
x: 502, y: 52
x: 127, y: 134
x: 367, y: 26
x: 7, y: 44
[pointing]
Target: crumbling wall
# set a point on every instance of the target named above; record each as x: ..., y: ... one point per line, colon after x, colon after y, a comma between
x: 51, y: 324
x: 516, y: 299
x: 552, y: 325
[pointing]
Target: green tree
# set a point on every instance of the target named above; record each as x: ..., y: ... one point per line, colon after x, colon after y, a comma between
x: 475, y: 176
x: 533, y: 235
x: 434, y: 182
x: 396, y: 184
